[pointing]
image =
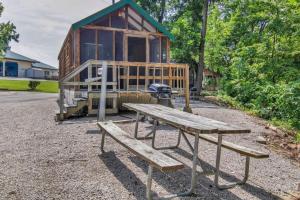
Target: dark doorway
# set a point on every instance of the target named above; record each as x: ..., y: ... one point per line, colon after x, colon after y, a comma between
x: 136, y: 49
x: 11, y: 69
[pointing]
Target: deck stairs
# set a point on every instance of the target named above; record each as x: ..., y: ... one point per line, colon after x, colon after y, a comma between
x: 76, y: 108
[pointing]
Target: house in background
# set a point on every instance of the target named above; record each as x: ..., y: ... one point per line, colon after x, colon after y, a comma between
x: 16, y: 65
x: 136, y: 49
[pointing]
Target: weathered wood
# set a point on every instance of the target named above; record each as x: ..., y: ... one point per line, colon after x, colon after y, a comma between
x: 222, y: 127
x: 234, y: 147
x: 152, y: 156
x: 87, y: 83
x: 186, y: 121
x: 178, y: 122
x: 126, y: 31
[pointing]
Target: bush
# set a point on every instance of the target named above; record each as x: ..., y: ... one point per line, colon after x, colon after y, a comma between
x: 33, y: 84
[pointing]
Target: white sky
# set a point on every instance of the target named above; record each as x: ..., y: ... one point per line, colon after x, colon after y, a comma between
x: 43, y: 24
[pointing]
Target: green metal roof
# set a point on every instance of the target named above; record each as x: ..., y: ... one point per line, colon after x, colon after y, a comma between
x: 116, y: 7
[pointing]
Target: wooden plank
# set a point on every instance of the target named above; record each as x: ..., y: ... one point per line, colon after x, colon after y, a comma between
x: 234, y: 147
x: 126, y: 17
x: 126, y: 31
x: 221, y: 126
x: 189, y: 121
x: 86, y: 83
x: 175, y: 121
x: 152, y: 156
x: 114, y: 45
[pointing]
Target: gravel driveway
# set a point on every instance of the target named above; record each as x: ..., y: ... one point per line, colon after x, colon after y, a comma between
x: 43, y: 159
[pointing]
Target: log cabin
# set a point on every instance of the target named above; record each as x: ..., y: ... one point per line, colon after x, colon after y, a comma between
x: 136, y: 49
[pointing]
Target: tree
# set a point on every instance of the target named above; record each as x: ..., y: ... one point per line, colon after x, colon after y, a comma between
x: 156, y: 8
x: 202, y: 48
x: 255, y: 45
x: 7, y: 33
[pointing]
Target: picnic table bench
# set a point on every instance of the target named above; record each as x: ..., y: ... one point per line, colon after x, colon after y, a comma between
x: 201, y: 128
x: 155, y: 158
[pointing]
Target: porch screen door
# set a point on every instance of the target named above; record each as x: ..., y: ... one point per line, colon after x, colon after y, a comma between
x: 136, y: 48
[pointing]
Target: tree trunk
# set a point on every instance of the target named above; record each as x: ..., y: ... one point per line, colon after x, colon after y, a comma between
x: 202, y: 48
x: 162, y: 11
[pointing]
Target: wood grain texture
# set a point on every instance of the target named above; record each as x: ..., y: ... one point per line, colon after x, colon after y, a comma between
x: 234, y: 147
x: 186, y: 121
x: 150, y: 155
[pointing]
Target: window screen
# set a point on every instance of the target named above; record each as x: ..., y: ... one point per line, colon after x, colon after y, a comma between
x: 154, y: 49
x: 163, y: 50
x: 119, y: 46
x: 105, y: 46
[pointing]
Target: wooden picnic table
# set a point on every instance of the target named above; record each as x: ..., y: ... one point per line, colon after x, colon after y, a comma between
x: 185, y: 122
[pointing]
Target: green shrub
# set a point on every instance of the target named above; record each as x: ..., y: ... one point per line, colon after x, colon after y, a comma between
x: 33, y: 84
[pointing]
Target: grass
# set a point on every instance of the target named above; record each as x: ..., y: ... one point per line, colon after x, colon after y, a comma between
x: 22, y: 85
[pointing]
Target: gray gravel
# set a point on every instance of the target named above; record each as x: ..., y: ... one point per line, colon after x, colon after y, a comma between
x: 42, y: 159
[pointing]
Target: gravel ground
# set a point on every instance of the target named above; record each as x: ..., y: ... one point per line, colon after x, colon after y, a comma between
x: 42, y: 159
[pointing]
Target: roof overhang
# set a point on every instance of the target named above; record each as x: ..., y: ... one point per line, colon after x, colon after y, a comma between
x: 117, y: 6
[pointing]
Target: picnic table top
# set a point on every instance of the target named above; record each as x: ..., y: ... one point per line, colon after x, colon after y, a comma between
x: 186, y: 121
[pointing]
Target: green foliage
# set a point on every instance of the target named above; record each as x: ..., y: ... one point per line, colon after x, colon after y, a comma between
x: 183, y: 19
x: 33, y: 84
x: 255, y: 45
x: 7, y: 33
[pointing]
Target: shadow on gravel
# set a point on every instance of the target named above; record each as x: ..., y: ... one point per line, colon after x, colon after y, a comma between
x: 128, y: 179
x: 176, y: 182
x: 95, y: 131
x: 179, y: 182
x: 254, y: 190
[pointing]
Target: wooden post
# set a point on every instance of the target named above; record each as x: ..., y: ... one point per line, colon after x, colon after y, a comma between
x: 114, y: 77
x: 89, y: 77
x: 126, y: 17
x: 187, y: 107
x: 114, y: 45
x: 137, y: 77
x: 177, y: 79
x: 97, y: 44
x: 162, y: 74
x: 119, y: 81
x: 170, y: 77
x: 102, y: 100
x: 154, y: 75
x: 127, y: 78
x: 146, y: 76
x: 61, y: 101
x: 147, y: 50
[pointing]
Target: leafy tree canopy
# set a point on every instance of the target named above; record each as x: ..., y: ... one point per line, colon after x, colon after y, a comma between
x: 7, y: 33
x: 254, y: 45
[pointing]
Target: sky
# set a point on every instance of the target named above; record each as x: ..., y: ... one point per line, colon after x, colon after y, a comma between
x: 43, y: 24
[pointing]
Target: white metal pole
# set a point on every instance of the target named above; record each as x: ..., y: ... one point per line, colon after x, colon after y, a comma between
x: 102, y: 100
x: 3, y: 68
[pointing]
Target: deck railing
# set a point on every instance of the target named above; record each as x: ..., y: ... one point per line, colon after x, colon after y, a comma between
x: 127, y: 77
